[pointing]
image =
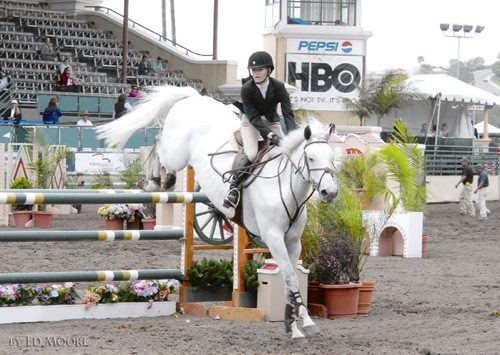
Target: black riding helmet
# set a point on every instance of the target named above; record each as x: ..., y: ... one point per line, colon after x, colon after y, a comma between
x: 260, y: 60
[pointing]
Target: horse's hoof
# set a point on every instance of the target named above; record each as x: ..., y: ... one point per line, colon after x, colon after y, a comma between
x: 311, y: 330
x: 299, y: 340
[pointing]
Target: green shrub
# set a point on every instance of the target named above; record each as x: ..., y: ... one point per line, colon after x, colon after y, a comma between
x: 250, y: 275
x: 21, y: 183
x: 209, y: 273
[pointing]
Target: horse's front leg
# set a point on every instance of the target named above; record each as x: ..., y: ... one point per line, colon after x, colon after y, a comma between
x: 292, y: 241
x: 276, y: 244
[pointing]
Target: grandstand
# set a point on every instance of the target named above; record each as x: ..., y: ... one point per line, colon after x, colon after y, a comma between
x: 95, y: 55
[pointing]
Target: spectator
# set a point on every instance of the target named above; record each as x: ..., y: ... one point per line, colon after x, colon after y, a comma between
x: 424, y: 129
x: 135, y: 93
x: 14, y: 113
x: 62, y: 66
x: 145, y: 67
x: 121, y: 106
x: 84, y: 119
x: 5, y: 80
x: 443, y: 131
x: 52, y: 112
x: 47, y: 50
x: 160, y: 66
x: 203, y: 92
x: 482, y: 191
x: 465, y: 198
x: 68, y: 81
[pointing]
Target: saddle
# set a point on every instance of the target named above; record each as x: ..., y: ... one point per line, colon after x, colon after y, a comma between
x: 263, y: 148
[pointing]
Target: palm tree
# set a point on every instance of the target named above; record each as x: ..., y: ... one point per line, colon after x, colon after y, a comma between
x: 380, y: 96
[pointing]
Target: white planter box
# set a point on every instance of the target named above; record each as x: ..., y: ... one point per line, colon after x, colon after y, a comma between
x: 53, y: 313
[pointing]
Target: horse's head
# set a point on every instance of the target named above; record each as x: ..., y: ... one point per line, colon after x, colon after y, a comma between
x: 317, y: 158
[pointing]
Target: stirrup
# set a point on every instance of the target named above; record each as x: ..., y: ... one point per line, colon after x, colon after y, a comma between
x: 228, y: 203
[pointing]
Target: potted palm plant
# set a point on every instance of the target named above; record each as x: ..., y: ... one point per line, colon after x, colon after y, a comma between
x: 46, y: 160
x: 405, y: 163
x: 364, y: 174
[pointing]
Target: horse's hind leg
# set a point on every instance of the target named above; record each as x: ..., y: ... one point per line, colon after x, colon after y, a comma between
x: 293, y: 248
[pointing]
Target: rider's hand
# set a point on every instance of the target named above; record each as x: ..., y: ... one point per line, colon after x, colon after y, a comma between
x: 275, y: 139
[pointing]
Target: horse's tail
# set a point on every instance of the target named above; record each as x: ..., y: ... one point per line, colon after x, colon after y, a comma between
x: 153, y: 109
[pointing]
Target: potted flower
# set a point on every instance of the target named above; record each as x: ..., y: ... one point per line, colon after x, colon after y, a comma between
x: 114, y: 215
x: 21, y: 213
x: 334, y: 266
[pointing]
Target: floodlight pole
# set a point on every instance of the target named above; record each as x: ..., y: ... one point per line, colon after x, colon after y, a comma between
x: 459, y: 32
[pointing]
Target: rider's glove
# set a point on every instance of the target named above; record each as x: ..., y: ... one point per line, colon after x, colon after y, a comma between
x: 274, y: 139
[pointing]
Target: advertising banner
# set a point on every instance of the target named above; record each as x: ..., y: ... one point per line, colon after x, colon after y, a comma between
x: 322, y: 81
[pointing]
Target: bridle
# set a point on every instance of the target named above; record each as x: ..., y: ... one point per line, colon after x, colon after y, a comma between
x: 299, y: 169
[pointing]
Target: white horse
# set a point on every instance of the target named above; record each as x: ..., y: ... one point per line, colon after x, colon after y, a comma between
x: 273, y: 205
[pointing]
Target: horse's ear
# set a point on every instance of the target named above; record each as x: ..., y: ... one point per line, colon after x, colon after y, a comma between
x: 332, y: 128
x: 307, y: 132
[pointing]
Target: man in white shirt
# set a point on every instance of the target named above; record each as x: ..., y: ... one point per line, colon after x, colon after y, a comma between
x: 84, y: 119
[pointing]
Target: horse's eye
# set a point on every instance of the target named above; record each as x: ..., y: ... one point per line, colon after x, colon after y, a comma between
x: 310, y: 159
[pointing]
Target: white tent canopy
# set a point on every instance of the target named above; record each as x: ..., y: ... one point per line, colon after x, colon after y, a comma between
x: 491, y: 129
x: 448, y: 88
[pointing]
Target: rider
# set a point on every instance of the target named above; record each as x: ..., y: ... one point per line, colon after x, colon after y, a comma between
x: 260, y: 95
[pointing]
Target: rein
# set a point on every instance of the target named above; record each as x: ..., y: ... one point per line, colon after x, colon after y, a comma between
x: 300, y: 170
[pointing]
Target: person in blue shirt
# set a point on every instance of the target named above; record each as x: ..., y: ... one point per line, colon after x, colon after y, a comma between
x: 52, y: 112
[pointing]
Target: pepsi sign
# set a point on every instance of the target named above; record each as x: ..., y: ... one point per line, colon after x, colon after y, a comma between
x: 319, y: 46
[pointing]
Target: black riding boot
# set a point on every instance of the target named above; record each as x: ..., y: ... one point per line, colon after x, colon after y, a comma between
x: 233, y: 196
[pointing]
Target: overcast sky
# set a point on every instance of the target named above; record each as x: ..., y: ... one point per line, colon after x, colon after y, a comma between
x: 402, y: 30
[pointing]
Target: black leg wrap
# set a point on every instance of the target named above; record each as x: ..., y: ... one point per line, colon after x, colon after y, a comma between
x: 170, y: 181
x: 296, y: 301
x: 289, y: 317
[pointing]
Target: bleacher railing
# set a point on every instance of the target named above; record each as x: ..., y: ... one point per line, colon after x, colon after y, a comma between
x: 156, y: 34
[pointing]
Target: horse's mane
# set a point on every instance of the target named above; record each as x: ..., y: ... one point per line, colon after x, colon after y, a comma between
x: 296, y: 137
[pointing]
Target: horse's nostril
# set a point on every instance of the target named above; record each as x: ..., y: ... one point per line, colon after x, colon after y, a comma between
x: 324, y: 192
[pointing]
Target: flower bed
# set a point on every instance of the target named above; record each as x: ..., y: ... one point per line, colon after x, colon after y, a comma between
x: 20, y: 303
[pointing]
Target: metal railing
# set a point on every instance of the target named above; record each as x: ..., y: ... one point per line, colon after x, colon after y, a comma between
x: 322, y: 12
x: 445, y: 159
x: 161, y: 38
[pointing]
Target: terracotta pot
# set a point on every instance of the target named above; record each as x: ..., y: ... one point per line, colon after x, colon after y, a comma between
x: 133, y: 225
x: 365, y: 297
x: 21, y: 218
x: 148, y: 223
x: 113, y: 224
x: 341, y: 301
x: 42, y: 219
x: 314, y: 292
x: 425, y: 240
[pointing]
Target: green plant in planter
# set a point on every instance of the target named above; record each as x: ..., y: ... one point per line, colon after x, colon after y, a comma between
x: 21, y: 183
x: 250, y: 274
x: 45, y: 161
x: 132, y: 174
x: 405, y: 163
x: 360, y: 171
x: 209, y: 273
x: 101, y: 180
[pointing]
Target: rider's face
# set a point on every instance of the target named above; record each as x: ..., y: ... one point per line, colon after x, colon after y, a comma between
x: 259, y: 75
